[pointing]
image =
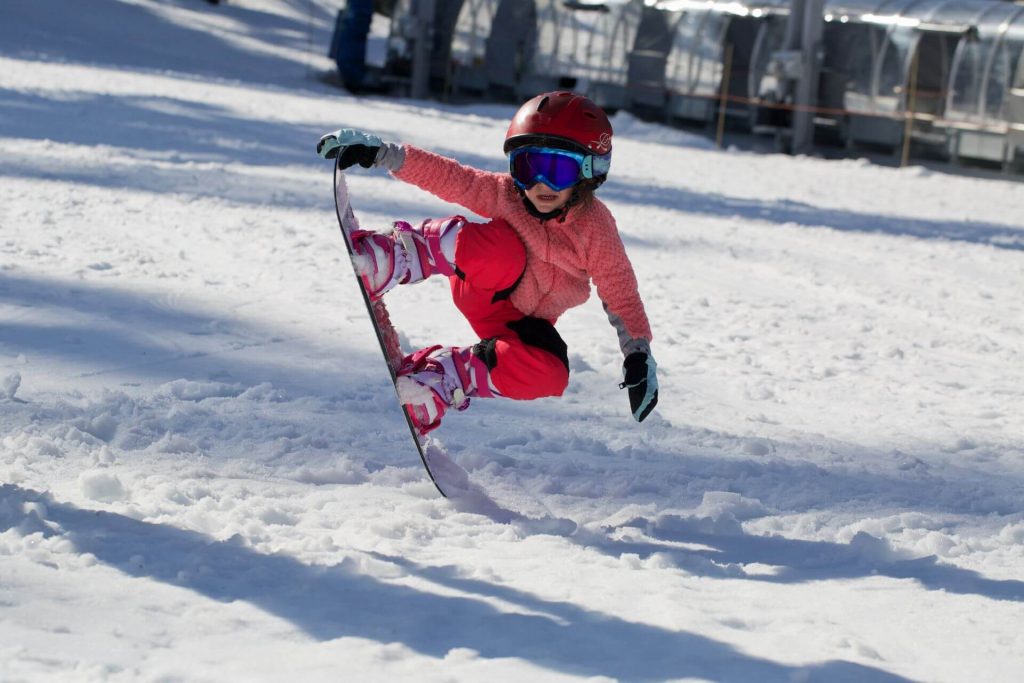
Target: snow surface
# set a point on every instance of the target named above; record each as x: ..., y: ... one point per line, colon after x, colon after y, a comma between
x: 204, y: 475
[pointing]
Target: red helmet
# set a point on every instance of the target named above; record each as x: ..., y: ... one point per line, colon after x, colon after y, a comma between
x: 561, y: 119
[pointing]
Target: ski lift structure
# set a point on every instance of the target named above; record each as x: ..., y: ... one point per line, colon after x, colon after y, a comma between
x: 985, y: 101
x: 583, y: 46
x: 692, y: 57
x: 513, y: 49
x: 941, y: 72
x: 943, y: 76
x: 418, y: 50
x: 470, y: 70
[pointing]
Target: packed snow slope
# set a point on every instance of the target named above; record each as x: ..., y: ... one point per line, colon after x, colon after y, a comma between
x: 204, y: 475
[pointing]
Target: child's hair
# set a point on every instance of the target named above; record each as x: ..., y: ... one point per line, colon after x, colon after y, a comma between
x: 584, y: 193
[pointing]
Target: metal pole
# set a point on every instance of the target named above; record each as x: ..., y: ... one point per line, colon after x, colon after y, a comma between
x: 806, y: 91
x: 911, y: 102
x: 420, y: 86
x: 724, y: 102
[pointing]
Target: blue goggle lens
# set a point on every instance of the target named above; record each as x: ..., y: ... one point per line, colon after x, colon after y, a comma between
x: 558, y: 169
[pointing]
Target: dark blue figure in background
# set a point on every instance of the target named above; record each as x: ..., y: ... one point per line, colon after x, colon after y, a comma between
x: 348, y: 47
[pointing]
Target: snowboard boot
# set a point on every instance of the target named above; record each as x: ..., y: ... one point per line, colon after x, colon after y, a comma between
x: 437, y: 378
x: 406, y: 254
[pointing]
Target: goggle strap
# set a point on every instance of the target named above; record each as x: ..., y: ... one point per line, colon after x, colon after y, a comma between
x: 587, y: 167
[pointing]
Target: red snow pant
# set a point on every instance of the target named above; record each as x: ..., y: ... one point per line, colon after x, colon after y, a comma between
x: 526, y: 357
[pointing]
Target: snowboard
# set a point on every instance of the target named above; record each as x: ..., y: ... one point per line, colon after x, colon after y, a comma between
x: 451, y: 480
x: 387, y: 335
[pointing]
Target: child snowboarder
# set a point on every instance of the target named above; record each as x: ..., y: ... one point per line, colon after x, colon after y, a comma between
x: 548, y: 237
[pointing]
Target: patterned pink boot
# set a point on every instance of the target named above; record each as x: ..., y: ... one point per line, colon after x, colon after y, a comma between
x: 406, y: 254
x: 437, y: 378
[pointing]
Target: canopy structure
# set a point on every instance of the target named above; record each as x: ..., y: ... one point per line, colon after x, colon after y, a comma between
x: 523, y: 47
x: 950, y: 64
x: 716, y: 46
x: 953, y: 66
x: 586, y: 46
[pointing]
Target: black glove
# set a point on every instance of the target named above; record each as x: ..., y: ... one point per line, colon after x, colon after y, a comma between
x: 354, y: 147
x: 640, y: 373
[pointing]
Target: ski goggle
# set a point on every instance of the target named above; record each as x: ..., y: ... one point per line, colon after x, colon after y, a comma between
x: 559, y: 169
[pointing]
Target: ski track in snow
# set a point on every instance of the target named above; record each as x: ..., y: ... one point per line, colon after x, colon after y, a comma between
x: 204, y: 475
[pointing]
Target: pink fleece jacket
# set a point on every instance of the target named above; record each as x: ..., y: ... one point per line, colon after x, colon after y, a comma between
x: 561, y: 257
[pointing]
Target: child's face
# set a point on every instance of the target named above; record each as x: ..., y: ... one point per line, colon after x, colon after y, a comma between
x: 545, y: 200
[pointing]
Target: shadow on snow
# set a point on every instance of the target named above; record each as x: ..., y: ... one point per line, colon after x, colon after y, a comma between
x: 797, y: 561
x: 105, y: 330
x: 192, y: 134
x: 334, y: 602
x: 806, y: 215
x: 39, y: 30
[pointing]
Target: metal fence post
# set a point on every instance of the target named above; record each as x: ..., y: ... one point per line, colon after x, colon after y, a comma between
x: 811, y: 31
x: 420, y: 86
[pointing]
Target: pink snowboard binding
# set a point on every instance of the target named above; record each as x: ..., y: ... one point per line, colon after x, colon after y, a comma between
x: 436, y: 378
x: 405, y: 255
